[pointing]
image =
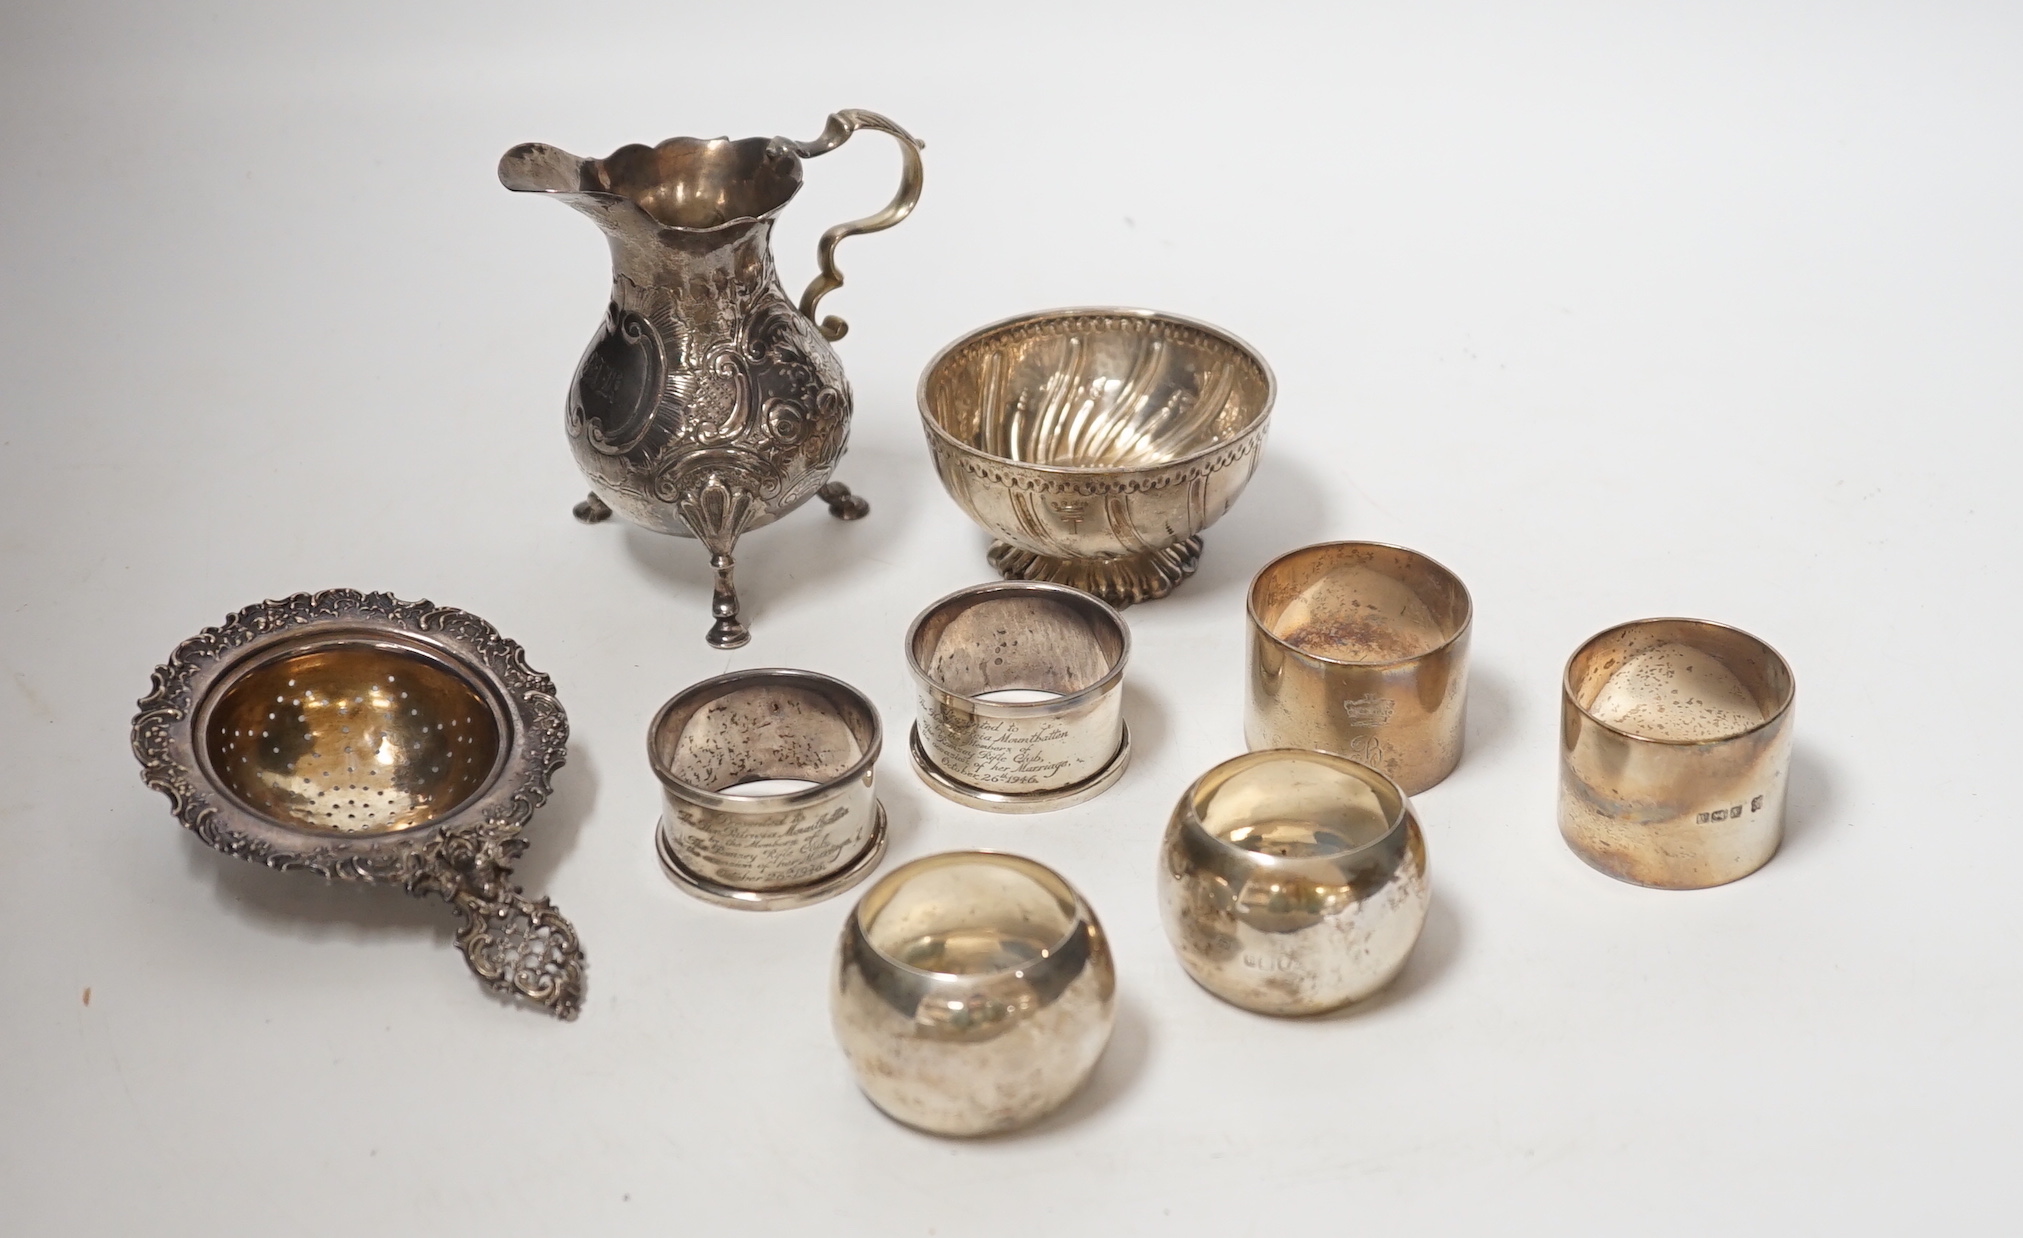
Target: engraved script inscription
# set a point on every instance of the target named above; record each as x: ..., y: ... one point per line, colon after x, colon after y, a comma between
x: 768, y: 852
x: 1006, y: 754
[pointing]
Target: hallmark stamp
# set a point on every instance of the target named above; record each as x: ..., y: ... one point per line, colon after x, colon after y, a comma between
x: 1257, y: 961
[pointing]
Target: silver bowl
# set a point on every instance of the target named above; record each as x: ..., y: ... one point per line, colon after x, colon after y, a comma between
x: 1096, y: 444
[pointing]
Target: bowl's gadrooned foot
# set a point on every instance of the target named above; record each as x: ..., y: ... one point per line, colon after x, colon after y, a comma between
x: 1120, y: 582
x: 592, y: 510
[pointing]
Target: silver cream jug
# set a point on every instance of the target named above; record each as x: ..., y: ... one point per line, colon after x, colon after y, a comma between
x: 708, y: 403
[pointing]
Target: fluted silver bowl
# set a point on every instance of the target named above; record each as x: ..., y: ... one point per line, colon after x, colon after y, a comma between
x: 1096, y: 444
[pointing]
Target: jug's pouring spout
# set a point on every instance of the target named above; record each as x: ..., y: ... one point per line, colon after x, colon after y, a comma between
x: 536, y: 167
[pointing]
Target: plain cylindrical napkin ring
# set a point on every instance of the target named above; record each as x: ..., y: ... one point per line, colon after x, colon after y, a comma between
x: 1027, y: 638
x: 767, y: 851
x: 1293, y: 882
x: 1361, y: 649
x: 973, y: 992
x: 1675, y: 746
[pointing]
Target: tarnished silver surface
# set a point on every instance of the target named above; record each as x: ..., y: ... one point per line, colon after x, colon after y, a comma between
x: 1023, y: 639
x: 1675, y: 747
x: 1361, y: 649
x: 369, y: 739
x: 973, y: 992
x: 767, y: 850
x: 1097, y: 444
x: 1293, y: 882
x: 708, y: 404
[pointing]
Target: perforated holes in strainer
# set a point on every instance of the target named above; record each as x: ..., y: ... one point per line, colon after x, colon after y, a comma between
x: 353, y: 739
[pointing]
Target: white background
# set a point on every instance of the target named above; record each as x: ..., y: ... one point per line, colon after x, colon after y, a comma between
x: 1618, y: 310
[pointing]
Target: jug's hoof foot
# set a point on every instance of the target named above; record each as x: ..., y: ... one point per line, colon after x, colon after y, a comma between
x: 842, y: 504
x: 729, y: 633
x: 592, y: 510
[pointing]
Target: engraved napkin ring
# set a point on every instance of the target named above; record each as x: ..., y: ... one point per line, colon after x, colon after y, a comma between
x: 765, y: 849
x: 1020, y: 690
x: 1675, y: 745
x: 1360, y: 649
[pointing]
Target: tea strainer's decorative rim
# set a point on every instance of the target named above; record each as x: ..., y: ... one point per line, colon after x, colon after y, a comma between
x: 516, y: 945
x: 165, y: 739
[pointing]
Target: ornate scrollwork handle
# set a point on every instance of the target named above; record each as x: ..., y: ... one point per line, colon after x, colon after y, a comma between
x: 523, y: 948
x: 518, y: 946
x: 841, y: 125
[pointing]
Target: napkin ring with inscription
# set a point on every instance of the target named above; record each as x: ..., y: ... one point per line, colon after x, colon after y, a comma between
x: 1020, y: 690
x: 1360, y: 649
x: 1675, y: 745
x: 767, y: 849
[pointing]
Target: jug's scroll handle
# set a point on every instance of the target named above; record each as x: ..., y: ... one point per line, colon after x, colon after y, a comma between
x: 841, y: 125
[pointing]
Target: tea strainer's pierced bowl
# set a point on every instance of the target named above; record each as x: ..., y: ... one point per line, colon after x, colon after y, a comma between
x: 370, y: 739
x: 1097, y: 444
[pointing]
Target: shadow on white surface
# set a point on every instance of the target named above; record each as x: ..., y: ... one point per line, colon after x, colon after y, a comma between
x: 1809, y: 803
x: 1145, y: 714
x: 1122, y: 1065
x: 789, y: 562
x: 1283, y: 508
x: 309, y: 908
x: 1492, y: 713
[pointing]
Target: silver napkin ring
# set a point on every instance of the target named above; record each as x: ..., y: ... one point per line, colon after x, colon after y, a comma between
x: 1674, y: 752
x: 767, y: 849
x: 1020, y: 688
